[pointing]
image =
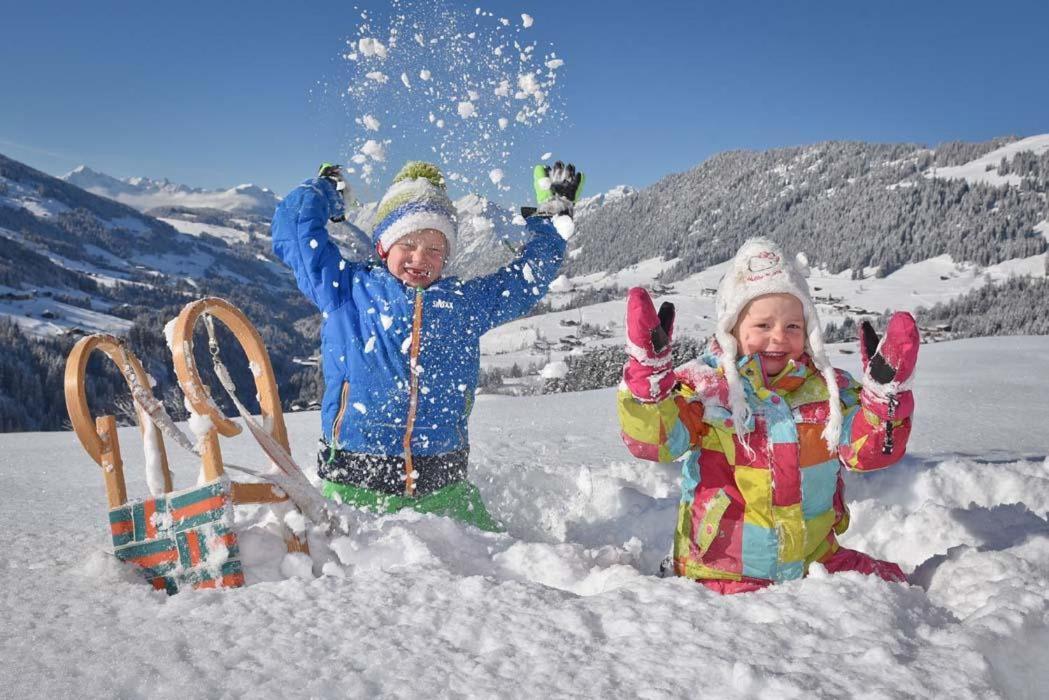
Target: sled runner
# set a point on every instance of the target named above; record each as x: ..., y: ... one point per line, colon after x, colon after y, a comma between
x: 176, y: 538
x: 272, y: 435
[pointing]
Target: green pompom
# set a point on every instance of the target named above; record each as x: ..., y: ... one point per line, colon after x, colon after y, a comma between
x: 415, y: 169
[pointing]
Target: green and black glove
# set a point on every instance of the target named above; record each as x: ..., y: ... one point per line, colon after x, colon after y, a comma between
x: 557, y: 189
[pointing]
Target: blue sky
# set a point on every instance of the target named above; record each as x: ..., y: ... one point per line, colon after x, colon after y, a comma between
x: 217, y: 94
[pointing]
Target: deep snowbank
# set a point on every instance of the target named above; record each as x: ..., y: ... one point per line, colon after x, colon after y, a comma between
x: 565, y: 604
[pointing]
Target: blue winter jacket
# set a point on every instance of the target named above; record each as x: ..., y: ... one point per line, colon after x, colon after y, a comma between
x: 374, y: 325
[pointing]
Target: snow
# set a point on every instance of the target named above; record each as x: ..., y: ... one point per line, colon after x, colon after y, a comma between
x: 565, y: 604
x: 976, y: 171
x: 195, y: 228
x: 486, y: 97
x: 1043, y: 228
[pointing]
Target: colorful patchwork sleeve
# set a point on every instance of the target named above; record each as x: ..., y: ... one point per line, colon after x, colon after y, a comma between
x: 661, y: 431
x: 873, y: 434
x: 300, y: 239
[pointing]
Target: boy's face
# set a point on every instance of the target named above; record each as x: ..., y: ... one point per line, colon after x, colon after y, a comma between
x: 772, y: 326
x: 418, y: 258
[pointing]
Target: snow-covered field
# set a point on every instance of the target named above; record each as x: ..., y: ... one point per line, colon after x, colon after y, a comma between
x: 837, y: 297
x: 565, y: 604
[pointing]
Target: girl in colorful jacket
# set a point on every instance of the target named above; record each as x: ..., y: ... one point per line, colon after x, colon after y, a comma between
x: 765, y: 424
x: 400, y: 343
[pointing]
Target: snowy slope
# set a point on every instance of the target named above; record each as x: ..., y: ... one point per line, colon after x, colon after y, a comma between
x: 837, y: 297
x: 144, y: 194
x: 985, y: 168
x: 565, y: 603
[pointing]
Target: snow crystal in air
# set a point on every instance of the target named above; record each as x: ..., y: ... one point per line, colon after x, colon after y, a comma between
x: 467, y: 110
x: 372, y: 48
x: 461, y: 74
x: 374, y: 150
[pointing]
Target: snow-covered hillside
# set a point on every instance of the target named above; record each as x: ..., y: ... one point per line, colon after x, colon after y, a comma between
x: 145, y: 194
x: 565, y: 604
x: 535, y: 340
x: 985, y: 168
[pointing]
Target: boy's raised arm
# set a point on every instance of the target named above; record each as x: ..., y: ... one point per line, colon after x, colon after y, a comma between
x: 878, y: 424
x: 300, y: 239
x: 513, y: 290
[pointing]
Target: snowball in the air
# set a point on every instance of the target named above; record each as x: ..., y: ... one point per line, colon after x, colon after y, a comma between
x: 371, y: 47
x: 466, y: 110
x: 527, y: 21
x: 424, y: 74
x: 496, y: 176
x: 374, y: 149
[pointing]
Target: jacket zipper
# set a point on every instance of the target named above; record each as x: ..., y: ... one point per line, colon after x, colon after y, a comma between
x: 413, y: 395
x: 337, y: 424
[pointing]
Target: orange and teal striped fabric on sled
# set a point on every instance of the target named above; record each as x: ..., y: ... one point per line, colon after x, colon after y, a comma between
x: 180, y: 538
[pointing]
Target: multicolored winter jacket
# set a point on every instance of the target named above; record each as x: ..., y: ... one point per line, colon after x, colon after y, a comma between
x: 401, y: 364
x: 764, y: 514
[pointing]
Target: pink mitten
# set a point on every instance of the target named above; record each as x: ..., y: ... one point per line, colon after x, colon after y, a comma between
x: 888, y: 363
x: 648, y: 373
x: 891, y: 360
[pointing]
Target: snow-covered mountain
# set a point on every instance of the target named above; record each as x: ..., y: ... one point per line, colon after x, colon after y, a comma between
x: 565, y: 603
x: 847, y: 205
x: 145, y: 194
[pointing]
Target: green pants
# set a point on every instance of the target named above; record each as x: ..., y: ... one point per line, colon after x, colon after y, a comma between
x: 460, y: 500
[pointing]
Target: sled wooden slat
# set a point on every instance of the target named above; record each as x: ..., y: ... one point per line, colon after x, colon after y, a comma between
x: 99, y: 436
x: 198, y: 395
x: 112, y: 466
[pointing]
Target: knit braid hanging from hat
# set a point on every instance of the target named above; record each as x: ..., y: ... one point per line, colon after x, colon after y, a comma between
x: 760, y: 268
x: 416, y: 200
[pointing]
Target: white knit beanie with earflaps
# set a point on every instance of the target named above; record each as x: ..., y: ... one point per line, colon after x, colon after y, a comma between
x: 760, y: 268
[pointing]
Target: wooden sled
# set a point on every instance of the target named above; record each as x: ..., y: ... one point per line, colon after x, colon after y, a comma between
x: 199, y: 396
x: 175, y: 538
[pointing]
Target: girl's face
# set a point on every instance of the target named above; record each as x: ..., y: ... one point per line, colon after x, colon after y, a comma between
x: 773, y: 327
x: 418, y: 258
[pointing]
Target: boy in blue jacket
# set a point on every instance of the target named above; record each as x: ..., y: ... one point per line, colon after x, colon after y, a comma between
x: 400, y: 344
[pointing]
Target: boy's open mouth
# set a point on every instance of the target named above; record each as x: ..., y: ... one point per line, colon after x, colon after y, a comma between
x: 417, y: 272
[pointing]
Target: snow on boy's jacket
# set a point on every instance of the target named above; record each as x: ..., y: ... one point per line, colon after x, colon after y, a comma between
x: 374, y: 325
x: 765, y: 514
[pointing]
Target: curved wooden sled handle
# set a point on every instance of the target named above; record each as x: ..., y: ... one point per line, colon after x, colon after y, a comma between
x: 199, y: 395
x: 99, y: 436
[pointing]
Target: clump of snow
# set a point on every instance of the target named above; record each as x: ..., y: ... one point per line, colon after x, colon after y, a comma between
x: 466, y: 110
x: 484, y: 99
x: 374, y: 150
x: 496, y: 175
x: 554, y: 370
x: 372, y: 48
